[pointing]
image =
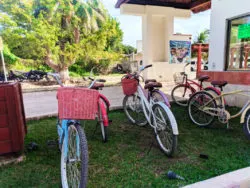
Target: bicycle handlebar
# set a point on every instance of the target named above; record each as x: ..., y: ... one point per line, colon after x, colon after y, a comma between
x: 143, y: 68
x: 56, y: 77
x: 148, y: 66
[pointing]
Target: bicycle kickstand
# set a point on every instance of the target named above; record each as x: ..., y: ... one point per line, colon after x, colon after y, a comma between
x: 228, y: 126
x: 95, y: 129
x: 151, y: 145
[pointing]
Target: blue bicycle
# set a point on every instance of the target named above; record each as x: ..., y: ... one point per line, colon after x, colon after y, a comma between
x: 72, y: 139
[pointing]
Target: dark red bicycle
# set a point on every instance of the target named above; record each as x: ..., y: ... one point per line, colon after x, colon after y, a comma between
x: 185, y: 87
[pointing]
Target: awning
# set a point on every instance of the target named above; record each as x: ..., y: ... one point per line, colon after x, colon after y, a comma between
x: 195, y: 6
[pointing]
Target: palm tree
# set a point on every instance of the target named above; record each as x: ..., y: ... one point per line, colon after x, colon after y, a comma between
x: 203, y: 36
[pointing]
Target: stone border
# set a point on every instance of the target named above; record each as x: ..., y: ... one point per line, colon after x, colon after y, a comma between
x: 42, y: 116
x: 54, y: 88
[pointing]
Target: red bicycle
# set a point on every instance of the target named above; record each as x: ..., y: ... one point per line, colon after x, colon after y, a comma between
x: 103, y: 107
x: 185, y: 87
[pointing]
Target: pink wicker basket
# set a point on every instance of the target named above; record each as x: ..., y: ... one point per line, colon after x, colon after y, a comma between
x: 129, y: 86
x: 77, y: 103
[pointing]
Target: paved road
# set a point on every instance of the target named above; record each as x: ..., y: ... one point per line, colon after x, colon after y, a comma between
x: 44, y: 104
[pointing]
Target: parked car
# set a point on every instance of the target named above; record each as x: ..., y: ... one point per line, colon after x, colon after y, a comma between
x: 193, y: 68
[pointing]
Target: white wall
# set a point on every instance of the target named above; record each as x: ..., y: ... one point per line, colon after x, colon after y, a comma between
x: 222, y: 10
x: 139, y: 46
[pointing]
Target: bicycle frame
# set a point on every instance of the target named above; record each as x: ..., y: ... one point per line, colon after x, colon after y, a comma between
x: 242, y: 112
x: 62, y: 131
x: 146, y: 104
x: 190, y: 83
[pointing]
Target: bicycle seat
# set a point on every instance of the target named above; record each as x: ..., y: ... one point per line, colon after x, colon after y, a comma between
x: 97, y: 86
x: 150, y: 80
x: 219, y: 83
x: 152, y: 85
x: 203, y: 78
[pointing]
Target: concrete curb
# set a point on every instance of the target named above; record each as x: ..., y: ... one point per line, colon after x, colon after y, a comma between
x: 50, y: 115
x: 239, y: 178
x: 44, y: 89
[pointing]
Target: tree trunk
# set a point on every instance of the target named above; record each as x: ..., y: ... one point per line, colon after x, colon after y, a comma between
x: 64, y: 74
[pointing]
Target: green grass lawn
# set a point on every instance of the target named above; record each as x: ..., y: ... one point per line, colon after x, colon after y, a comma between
x: 125, y: 161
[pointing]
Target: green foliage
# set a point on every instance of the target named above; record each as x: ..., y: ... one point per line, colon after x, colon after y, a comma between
x: 59, y: 32
x: 202, y: 37
x: 75, y: 75
x: 9, y: 58
x: 127, y: 49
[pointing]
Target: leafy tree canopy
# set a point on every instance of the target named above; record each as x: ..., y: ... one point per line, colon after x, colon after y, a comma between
x: 127, y: 49
x: 58, y: 31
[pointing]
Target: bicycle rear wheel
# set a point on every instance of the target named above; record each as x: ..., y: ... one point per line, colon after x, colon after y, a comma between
x: 163, y: 122
x: 197, y: 103
x: 132, y: 106
x: 181, y: 94
x: 74, y: 166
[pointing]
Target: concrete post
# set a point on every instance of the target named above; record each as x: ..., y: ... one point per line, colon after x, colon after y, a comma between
x: 147, y: 42
x: 169, y: 30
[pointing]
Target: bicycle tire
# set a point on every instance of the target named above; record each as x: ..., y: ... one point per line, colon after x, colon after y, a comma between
x: 246, y: 125
x: 82, y: 171
x: 164, y: 121
x: 104, y: 129
x: 140, y: 120
x: 198, y: 100
x: 180, y: 97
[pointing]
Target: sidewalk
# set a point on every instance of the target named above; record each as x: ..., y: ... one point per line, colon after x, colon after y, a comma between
x: 44, y: 104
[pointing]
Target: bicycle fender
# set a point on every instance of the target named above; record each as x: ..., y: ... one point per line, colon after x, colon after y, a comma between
x: 164, y: 97
x: 214, y: 89
x: 105, y: 100
x: 242, y: 118
x: 103, y: 110
x: 171, y: 117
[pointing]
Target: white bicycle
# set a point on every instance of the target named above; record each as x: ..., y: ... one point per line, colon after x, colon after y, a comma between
x: 150, y: 107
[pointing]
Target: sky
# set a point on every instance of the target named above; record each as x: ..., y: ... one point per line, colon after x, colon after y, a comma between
x: 131, y: 25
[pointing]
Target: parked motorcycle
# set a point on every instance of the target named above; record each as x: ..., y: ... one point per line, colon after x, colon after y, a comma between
x: 36, y: 75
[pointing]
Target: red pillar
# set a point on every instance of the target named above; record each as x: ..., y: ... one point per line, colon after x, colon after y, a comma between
x: 198, y: 70
x: 246, y: 51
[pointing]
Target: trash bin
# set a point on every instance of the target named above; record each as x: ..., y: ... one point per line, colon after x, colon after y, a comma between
x: 12, y: 118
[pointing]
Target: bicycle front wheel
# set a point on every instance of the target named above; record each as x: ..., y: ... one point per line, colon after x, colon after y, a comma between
x: 132, y: 106
x: 246, y: 125
x: 181, y: 94
x: 201, y: 108
x: 165, y: 136
x: 74, y: 165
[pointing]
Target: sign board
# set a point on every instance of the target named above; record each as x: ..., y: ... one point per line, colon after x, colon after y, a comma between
x: 244, y: 31
x: 1, y: 44
x: 180, y: 51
